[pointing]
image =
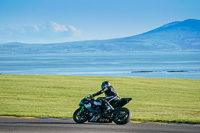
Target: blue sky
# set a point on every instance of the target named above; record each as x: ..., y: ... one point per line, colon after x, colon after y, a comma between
x: 49, y: 21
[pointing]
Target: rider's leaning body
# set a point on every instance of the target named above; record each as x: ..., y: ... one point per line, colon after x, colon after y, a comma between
x: 110, y: 93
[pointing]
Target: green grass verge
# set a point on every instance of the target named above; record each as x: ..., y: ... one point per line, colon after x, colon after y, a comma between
x: 154, y: 99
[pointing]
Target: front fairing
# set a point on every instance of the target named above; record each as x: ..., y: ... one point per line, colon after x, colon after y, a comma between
x: 82, y: 102
x: 85, y: 102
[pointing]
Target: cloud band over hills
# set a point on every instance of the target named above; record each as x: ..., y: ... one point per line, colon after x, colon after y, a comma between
x: 51, y: 32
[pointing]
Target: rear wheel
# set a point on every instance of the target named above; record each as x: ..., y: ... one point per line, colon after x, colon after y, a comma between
x: 81, y: 115
x: 123, y: 116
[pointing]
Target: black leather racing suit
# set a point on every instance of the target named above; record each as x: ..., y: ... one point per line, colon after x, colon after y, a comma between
x: 110, y: 93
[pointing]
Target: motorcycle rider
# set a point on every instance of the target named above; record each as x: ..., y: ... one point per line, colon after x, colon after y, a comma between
x: 110, y: 93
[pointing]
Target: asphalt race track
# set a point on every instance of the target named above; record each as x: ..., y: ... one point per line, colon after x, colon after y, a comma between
x: 52, y: 125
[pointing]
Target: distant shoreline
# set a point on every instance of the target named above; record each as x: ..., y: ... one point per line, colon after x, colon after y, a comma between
x: 155, y: 71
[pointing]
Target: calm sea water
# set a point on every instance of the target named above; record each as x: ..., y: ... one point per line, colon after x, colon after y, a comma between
x: 162, y: 65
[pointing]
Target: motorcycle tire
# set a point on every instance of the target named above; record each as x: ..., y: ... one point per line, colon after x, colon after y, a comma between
x: 81, y: 116
x: 123, y: 117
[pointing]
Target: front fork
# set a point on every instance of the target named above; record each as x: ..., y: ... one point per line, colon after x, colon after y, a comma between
x: 81, y: 111
x: 82, y: 108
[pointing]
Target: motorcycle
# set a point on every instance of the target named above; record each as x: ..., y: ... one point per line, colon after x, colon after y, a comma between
x: 92, y: 110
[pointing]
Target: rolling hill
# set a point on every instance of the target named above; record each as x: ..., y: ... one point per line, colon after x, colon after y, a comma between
x: 175, y: 36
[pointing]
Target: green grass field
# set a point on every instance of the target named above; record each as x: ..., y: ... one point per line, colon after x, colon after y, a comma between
x: 154, y: 99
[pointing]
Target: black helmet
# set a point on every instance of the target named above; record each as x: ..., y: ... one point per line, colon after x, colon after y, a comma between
x: 105, y: 84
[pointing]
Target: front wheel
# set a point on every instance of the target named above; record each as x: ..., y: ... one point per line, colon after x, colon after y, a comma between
x: 123, y: 116
x: 81, y: 115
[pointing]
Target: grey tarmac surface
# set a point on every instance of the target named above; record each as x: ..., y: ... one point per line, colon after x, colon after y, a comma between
x: 53, y: 125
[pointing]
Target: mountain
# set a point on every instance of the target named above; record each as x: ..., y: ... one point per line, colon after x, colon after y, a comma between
x: 175, y: 36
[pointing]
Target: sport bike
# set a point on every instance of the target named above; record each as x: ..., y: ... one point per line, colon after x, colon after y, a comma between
x: 92, y: 110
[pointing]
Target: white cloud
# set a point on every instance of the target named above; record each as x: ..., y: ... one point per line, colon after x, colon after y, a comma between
x: 58, y: 27
x: 75, y: 31
x: 51, y: 32
x: 36, y: 27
